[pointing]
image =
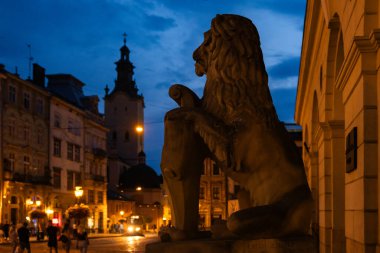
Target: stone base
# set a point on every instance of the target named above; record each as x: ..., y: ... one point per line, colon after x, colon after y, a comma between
x: 288, y: 245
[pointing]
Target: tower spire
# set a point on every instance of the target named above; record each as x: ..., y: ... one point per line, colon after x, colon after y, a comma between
x: 30, y: 59
x: 125, y: 39
x: 124, y: 68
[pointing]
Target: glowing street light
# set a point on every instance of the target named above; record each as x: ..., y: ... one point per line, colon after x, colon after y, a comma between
x: 121, y: 213
x: 78, y: 192
x: 139, y: 129
x: 138, y: 188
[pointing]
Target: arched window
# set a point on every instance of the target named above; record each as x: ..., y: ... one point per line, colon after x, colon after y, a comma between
x: 126, y: 136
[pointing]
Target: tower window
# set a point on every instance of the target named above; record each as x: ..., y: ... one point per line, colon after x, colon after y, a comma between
x: 126, y: 136
x: 114, y: 136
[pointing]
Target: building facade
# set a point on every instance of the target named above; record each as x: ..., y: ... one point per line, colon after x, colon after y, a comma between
x: 25, y: 164
x: 213, y: 194
x: 78, y: 150
x: 124, y: 116
x: 337, y: 106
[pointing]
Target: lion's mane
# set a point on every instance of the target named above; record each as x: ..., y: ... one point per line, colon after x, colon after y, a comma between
x: 237, y: 82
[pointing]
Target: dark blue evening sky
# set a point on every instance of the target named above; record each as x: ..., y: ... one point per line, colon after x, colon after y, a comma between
x: 83, y: 37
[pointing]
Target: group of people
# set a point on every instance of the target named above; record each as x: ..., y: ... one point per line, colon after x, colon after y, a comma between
x: 19, y: 238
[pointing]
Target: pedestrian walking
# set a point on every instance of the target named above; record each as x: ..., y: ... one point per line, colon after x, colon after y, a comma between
x: 52, y: 233
x: 23, y: 238
x: 82, y: 240
x: 6, y: 231
x: 66, y: 240
x: 13, y: 238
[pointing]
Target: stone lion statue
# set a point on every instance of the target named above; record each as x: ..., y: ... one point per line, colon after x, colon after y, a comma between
x: 234, y: 123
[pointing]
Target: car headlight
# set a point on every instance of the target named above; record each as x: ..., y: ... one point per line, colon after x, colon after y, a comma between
x: 130, y: 229
x: 138, y: 229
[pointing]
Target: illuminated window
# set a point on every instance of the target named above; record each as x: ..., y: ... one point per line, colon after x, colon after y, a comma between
x: 100, y: 197
x: 215, y: 192
x: 202, y: 193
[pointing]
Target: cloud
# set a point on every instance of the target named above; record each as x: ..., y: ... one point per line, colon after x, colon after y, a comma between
x: 286, y: 68
x: 157, y: 23
x: 283, y: 83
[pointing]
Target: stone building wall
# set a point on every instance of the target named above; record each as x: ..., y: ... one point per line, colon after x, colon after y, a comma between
x: 337, y: 95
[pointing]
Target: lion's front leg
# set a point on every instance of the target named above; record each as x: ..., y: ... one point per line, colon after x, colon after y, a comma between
x: 182, y: 160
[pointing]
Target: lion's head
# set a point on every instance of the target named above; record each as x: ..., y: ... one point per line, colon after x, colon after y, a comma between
x: 237, y: 82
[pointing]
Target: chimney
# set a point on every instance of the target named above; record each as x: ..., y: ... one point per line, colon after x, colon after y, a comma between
x: 38, y: 75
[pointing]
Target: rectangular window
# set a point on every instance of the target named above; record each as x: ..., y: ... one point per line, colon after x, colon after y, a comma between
x: 12, y: 128
x: 40, y: 106
x: 26, y: 134
x: 26, y: 165
x: 57, y: 178
x: 26, y: 101
x: 70, y: 126
x: 91, y: 197
x: 215, y: 192
x: 202, y: 193
x: 12, y: 94
x: 215, y: 169
x: 77, y: 153
x: 57, y: 147
x: 78, y: 180
x: 13, y: 200
x: 39, y: 137
x: 57, y: 121
x: 70, y: 151
x: 12, y: 159
x: 70, y: 180
x: 100, y: 197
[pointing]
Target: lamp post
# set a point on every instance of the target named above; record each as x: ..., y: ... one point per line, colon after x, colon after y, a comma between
x: 78, y: 193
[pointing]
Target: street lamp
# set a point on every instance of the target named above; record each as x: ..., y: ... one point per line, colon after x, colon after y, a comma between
x: 139, y: 130
x: 78, y: 193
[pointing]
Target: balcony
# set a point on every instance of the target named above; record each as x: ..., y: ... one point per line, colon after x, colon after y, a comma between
x: 45, y: 180
x: 101, y: 153
x: 97, y: 178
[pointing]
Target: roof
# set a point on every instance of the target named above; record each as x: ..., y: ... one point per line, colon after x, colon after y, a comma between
x: 140, y: 175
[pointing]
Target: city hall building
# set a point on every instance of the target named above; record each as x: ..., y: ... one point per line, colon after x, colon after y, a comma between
x: 337, y: 107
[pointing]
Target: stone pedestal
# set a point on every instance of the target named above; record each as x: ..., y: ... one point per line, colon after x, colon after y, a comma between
x: 289, y: 245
